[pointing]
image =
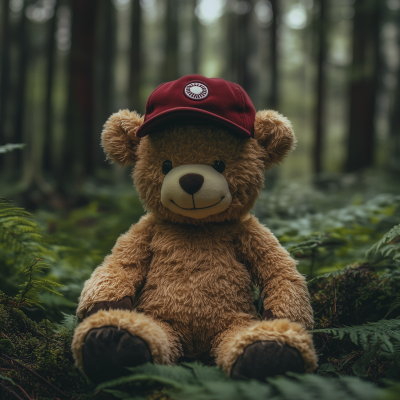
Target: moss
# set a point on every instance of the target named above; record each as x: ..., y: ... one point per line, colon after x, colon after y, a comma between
x: 43, y: 348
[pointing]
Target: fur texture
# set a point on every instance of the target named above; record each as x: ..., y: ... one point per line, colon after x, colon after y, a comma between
x: 161, y: 340
x: 195, y: 274
x: 279, y: 330
x: 119, y: 137
x: 275, y: 135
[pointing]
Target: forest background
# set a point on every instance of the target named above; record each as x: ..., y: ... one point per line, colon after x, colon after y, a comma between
x: 331, y: 66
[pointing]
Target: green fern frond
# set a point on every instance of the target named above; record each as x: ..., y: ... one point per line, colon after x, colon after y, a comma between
x: 198, y: 382
x: 395, y: 304
x: 31, y: 289
x: 19, y: 233
x: 68, y: 324
x: 369, y: 334
x: 389, y: 244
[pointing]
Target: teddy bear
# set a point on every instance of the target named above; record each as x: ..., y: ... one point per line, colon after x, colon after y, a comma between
x: 177, y: 284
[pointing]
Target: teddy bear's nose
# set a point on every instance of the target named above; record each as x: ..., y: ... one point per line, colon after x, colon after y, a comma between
x: 191, y: 183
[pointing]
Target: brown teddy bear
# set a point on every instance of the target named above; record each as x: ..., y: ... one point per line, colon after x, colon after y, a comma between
x: 177, y: 285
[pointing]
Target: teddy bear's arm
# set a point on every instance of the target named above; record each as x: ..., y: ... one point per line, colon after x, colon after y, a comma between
x: 123, y: 271
x: 283, y: 288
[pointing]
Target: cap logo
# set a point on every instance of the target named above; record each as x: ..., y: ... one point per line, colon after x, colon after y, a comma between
x: 196, y: 91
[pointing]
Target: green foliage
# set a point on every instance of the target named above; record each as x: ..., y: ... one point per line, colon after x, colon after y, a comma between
x: 394, y: 305
x: 370, y: 334
x: 19, y: 234
x: 31, y: 289
x: 301, y: 218
x: 386, y: 248
x: 198, y: 382
x: 10, y: 147
x: 6, y: 346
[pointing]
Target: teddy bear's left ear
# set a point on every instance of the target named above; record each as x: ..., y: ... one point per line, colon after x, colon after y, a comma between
x: 275, y: 135
x: 119, y: 139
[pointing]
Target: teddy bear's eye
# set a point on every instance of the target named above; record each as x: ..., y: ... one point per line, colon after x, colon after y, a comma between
x: 219, y: 166
x: 166, y: 167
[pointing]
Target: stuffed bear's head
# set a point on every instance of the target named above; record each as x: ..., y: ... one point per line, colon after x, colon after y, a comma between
x: 205, y: 152
x: 198, y: 173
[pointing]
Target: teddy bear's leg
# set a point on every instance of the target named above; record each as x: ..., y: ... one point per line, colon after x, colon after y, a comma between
x: 265, y: 348
x: 107, y: 342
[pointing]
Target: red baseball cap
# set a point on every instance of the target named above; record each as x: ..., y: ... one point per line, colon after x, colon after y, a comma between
x: 195, y: 98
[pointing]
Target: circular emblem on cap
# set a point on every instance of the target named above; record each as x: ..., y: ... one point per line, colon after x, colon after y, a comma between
x: 196, y: 91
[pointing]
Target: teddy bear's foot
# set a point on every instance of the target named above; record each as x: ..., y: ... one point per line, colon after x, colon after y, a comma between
x: 107, y: 351
x: 263, y: 359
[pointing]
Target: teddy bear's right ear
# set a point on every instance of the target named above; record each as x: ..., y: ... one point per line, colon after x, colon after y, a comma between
x: 119, y: 139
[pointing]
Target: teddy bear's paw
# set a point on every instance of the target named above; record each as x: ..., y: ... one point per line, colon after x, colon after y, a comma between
x: 107, y: 351
x: 261, y: 360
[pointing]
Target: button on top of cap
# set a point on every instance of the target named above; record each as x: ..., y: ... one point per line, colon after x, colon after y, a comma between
x: 196, y: 91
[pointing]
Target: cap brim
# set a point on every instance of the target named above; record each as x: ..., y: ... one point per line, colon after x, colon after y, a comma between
x: 188, y: 115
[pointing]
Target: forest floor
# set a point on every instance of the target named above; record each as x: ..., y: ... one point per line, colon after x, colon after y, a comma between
x: 346, y: 236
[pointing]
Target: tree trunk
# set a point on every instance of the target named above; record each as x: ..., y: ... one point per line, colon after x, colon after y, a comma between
x: 394, y: 150
x: 244, y: 45
x: 48, y: 122
x: 79, y: 155
x: 196, y: 40
x: 5, y: 68
x: 171, y: 61
x: 104, y: 83
x: 363, y: 85
x: 20, y: 103
x: 232, y: 47
x: 273, y: 97
x: 135, y: 56
x: 319, y: 111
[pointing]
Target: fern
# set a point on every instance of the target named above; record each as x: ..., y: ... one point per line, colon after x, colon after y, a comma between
x: 10, y: 147
x: 369, y: 334
x: 395, y: 304
x: 31, y: 289
x: 18, y: 233
x: 387, y: 247
x: 198, y: 382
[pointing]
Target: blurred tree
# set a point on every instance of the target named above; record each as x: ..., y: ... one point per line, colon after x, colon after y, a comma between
x: 394, y: 142
x: 363, y: 84
x: 171, y: 62
x: 238, y: 37
x: 243, y: 42
x: 196, y: 40
x: 48, y: 108
x: 20, y: 89
x: 135, y: 56
x: 232, y: 48
x: 5, y: 66
x: 273, y: 96
x: 105, y: 59
x: 78, y: 155
x: 320, y: 103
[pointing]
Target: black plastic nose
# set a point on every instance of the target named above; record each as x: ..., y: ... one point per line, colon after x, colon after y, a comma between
x: 191, y: 183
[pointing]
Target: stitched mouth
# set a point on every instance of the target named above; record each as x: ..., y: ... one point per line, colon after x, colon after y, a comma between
x: 195, y: 208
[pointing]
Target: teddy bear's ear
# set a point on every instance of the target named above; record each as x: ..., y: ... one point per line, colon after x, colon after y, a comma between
x: 275, y: 135
x: 119, y: 139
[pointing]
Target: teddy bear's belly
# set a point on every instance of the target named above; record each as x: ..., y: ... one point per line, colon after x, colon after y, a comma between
x: 199, y: 298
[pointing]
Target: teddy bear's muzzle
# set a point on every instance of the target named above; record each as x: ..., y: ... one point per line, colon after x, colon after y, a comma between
x: 195, y: 191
